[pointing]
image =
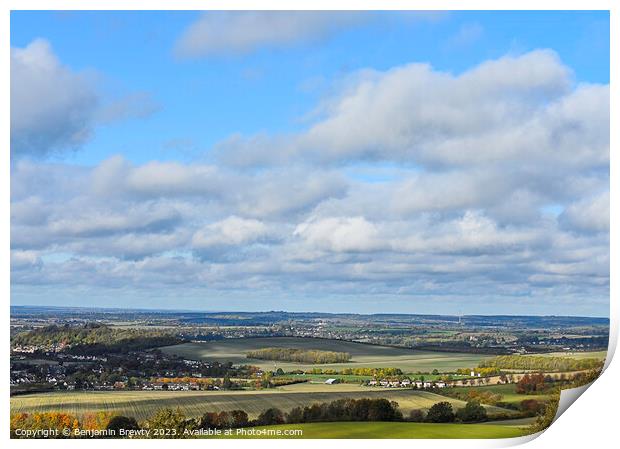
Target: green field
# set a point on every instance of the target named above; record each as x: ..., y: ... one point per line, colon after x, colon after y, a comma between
x: 508, y: 393
x: 142, y: 404
x: 363, y: 355
x: 394, y: 430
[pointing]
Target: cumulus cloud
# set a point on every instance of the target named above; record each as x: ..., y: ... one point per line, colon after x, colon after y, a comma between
x: 55, y: 108
x: 230, y: 231
x: 225, y: 32
x: 516, y: 108
x: 340, y: 234
x: 52, y: 106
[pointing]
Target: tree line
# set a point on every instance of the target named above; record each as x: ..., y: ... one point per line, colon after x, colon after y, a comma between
x: 540, y: 363
x: 180, y: 426
x: 299, y: 355
x: 95, y: 338
x: 374, y: 372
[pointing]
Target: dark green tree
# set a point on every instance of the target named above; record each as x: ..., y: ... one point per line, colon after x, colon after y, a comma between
x: 122, y: 422
x: 472, y: 412
x: 440, y: 412
x: 270, y: 416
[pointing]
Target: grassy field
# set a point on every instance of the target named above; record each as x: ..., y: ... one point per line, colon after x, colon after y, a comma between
x: 142, y: 404
x: 393, y: 430
x: 363, y: 355
x: 508, y: 393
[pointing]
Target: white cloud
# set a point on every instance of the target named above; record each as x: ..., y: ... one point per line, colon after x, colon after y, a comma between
x: 147, y: 216
x: 340, y: 234
x: 133, y: 105
x: 52, y: 106
x: 21, y: 260
x: 55, y: 109
x: 225, y: 32
x: 230, y: 231
x: 588, y: 215
x: 513, y: 109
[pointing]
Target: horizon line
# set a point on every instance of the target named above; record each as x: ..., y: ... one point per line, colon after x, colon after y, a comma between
x: 110, y: 308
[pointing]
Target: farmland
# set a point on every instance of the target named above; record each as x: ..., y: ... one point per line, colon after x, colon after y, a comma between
x: 142, y: 404
x: 395, y: 430
x: 363, y: 355
x: 509, y: 395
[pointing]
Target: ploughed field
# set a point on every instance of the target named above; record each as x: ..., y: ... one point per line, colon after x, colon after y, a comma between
x: 392, y: 430
x: 143, y: 404
x: 362, y: 355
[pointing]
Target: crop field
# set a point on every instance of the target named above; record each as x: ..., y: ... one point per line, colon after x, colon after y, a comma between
x: 394, y: 430
x: 363, y: 355
x: 142, y: 404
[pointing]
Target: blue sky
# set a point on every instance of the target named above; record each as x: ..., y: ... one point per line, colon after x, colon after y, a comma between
x: 186, y: 108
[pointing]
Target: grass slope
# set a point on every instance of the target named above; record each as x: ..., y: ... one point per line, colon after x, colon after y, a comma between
x: 391, y: 430
x: 363, y: 355
x: 142, y: 404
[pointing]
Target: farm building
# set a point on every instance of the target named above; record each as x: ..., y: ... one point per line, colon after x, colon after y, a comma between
x: 331, y: 381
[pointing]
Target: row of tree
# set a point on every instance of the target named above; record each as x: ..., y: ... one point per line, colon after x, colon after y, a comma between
x: 95, y: 339
x: 374, y: 372
x: 299, y: 355
x: 540, y: 363
x: 442, y: 412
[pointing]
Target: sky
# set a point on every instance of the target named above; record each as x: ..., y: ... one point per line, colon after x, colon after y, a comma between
x: 365, y: 162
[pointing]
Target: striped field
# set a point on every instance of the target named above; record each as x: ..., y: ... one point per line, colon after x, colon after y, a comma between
x: 142, y: 404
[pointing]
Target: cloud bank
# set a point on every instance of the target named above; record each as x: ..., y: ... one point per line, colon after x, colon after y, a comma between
x: 490, y: 186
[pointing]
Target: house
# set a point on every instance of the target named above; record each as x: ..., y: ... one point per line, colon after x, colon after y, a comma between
x: 119, y: 385
x: 331, y: 381
x: 372, y: 383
